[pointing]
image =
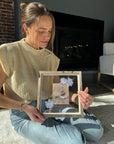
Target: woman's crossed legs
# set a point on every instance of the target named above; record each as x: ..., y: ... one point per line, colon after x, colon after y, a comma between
x: 58, y: 130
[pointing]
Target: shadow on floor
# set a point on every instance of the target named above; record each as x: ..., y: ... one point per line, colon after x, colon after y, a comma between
x: 105, y: 114
x: 97, y: 89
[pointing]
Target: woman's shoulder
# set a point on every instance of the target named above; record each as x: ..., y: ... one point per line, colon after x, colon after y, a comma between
x: 51, y: 53
x: 9, y: 46
x: 48, y: 51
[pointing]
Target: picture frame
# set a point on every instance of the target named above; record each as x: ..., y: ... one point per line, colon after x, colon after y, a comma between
x: 55, y: 89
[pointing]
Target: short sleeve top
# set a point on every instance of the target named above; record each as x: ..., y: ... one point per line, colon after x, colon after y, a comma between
x: 22, y: 64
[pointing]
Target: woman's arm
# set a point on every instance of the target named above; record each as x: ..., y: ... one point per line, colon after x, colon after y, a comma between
x: 6, y: 102
x: 9, y: 103
x: 85, y: 98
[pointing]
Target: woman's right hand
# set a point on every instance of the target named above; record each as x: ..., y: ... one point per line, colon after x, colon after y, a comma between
x: 33, y: 113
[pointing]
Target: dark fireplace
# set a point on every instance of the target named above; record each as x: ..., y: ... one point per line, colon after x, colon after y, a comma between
x: 78, y: 41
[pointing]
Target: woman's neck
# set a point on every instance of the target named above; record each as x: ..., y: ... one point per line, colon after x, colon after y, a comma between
x: 32, y: 44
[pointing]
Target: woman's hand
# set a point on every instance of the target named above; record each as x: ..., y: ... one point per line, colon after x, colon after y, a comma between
x: 33, y: 113
x: 85, y: 98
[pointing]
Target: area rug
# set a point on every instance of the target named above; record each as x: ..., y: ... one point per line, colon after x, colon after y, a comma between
x: 102, y: 107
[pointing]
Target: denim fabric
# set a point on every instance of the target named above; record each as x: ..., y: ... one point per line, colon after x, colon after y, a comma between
x: 57, y: 130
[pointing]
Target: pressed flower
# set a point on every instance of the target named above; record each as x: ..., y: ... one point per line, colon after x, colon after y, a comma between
x: 49, y: 104
x: 63, y: 81
x: 70, y: 82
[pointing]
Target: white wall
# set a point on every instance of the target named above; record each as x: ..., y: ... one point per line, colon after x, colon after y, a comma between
x: 97, y: 9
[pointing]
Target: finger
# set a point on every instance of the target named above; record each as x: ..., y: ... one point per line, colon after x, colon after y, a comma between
x: 85, y: 99
x: 88, y: 96
x: 86, y: 90
x: 83, y: 95
x: 82, y: 99
x: 39, y: 115
x: 38, y: 120
x: 83, y: 104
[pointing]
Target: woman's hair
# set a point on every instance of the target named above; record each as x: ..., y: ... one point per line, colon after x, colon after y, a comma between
x: 31, y: 12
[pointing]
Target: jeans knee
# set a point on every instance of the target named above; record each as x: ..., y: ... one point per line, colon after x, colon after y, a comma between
x: 95, y: 135
x: 71, y: 135
x: 99, y: 134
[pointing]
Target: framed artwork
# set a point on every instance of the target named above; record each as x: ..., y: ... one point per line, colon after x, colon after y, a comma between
x: 57, y: 93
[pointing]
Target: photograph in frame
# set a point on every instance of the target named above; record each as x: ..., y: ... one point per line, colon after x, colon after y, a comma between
x: 55, y: 90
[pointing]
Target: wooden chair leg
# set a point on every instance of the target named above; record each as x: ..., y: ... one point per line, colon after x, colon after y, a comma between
x: 99, y: 81
x: 99, y: 74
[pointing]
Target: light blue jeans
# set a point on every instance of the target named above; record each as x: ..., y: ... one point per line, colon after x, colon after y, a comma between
x: 57, y: 131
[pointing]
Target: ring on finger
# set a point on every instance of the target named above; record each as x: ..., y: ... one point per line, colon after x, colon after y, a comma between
x: 88, y: 102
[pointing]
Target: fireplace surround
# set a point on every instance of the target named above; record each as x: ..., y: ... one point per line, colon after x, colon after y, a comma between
x: 78, y: 41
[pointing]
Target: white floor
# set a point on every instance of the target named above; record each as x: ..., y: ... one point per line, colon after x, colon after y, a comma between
x: 103, y: 107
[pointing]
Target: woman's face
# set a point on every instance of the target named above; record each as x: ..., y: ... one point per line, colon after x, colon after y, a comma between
x: 39, y: 34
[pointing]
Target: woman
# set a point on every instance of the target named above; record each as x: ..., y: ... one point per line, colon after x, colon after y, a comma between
x: 20, y: 63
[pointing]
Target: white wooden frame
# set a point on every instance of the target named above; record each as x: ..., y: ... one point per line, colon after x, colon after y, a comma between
x: 61, y: 73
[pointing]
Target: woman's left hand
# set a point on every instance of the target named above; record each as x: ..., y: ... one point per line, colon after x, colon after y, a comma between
x: 85, y: 98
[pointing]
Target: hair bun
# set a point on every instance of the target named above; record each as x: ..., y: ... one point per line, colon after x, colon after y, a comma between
x: 23, y: 5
